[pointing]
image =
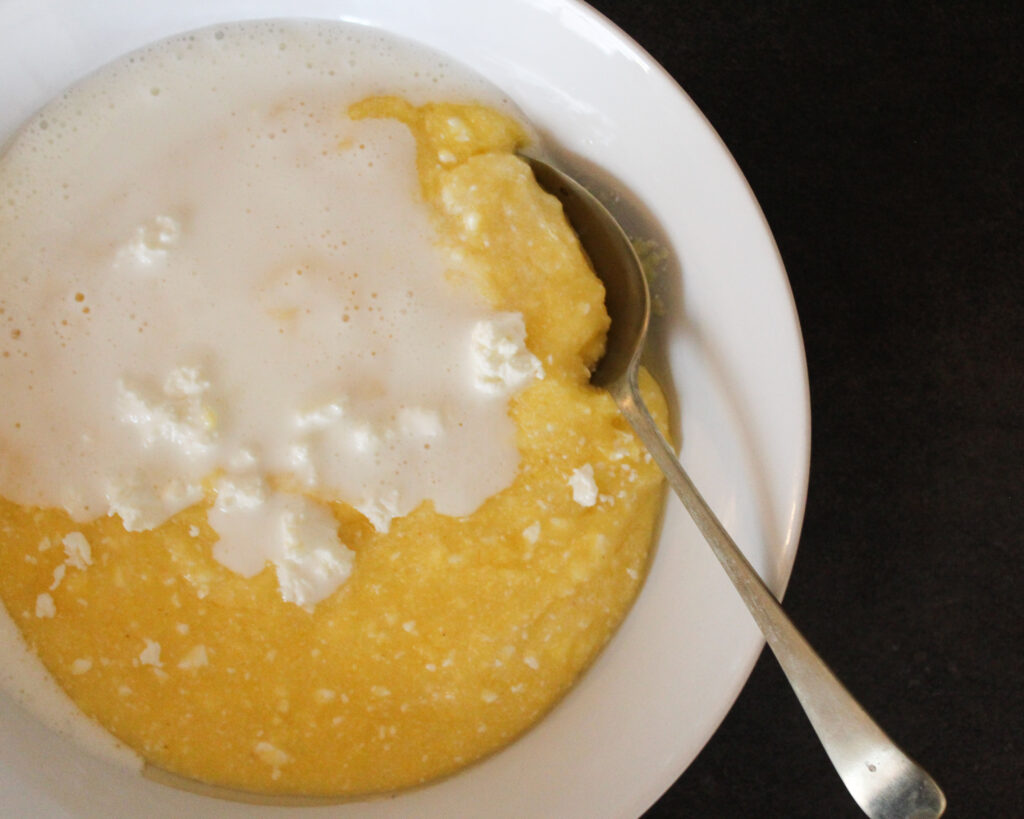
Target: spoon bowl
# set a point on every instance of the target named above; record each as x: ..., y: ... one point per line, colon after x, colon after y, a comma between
x: 881, y: 778
x: 611, y: 254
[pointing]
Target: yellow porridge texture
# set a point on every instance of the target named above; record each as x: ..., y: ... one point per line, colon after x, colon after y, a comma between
x: 452, y: 635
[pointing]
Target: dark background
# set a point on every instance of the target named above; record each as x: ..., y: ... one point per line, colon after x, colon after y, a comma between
x: 884, y: 144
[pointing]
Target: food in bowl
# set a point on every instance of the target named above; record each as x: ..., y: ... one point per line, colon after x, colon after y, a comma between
x: 305, y: 490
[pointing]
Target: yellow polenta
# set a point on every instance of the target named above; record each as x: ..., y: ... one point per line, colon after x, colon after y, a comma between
x: 453, y: 635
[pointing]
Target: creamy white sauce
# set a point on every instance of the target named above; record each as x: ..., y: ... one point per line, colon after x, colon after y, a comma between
x: 207, y: 269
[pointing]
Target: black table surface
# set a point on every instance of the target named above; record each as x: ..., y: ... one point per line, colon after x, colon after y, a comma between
x: 884, y: 144
x: 883, y: 141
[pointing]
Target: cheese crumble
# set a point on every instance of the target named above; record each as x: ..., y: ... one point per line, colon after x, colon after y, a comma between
x: 150, y: 655
x: 78, y: 553
x: 583, y: 485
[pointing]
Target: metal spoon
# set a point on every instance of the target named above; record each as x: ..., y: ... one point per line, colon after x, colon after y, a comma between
x: 883, y: 780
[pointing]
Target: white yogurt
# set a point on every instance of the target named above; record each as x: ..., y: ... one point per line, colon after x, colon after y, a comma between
x: 207, y: 269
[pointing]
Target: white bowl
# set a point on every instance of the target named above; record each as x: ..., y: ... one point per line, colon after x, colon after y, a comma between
x: 728, y: 347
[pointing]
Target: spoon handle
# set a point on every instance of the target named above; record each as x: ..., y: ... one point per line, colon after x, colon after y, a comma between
x: 883, y: 780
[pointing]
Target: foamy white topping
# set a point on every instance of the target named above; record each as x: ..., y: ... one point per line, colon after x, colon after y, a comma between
x: 208, y: 269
